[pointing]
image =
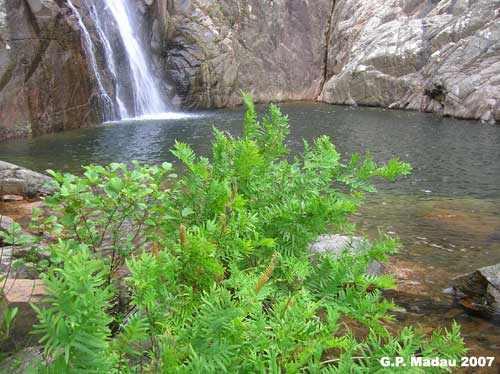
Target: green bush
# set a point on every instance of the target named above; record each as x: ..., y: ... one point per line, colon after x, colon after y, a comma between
x: 220, y: 274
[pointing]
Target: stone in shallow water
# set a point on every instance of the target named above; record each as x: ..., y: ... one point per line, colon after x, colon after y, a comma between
x: 338, y: 244
x: 479, y: 291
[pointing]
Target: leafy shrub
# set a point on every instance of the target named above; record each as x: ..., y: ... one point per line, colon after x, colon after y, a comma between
x: 221, y: 278
x: 75, y: 325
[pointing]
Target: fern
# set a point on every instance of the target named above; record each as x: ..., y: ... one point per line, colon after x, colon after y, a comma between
x: 75, y: 326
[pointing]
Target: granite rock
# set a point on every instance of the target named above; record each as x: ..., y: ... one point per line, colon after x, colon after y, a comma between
x: 434, y: 56
x: 44, y: 81
x: 273, y: 50
x: 338, y: 244
x: 15, y: 180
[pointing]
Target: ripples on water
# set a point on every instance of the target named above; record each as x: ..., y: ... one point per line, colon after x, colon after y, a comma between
x: 450, y: 157
x: 447, y: 213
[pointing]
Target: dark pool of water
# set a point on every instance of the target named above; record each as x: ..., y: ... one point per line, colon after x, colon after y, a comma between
x: 450, y: 157
x: 447, y: 213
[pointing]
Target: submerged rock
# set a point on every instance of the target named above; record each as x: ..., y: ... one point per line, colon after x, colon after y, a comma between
x: 479, y: 291
x: 15, y: 180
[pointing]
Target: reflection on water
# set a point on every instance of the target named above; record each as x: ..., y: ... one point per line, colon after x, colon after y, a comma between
x: 447, y: 213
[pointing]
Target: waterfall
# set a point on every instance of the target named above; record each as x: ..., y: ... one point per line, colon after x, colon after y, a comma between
x: 88, y: 46
x: 109, y: 59
x: 144, y: 91
x: 147, y: 98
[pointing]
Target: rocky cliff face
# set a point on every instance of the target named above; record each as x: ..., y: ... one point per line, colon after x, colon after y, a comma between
x: 44, y: 81
x: 437, y: 56
x: 210, y: 50
x: 428, y: 55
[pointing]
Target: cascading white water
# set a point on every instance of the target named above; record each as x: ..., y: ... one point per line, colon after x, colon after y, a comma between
x: 110, y: 59
x: 141, y: 87
x: 147, y: 98
x: 107, y: 103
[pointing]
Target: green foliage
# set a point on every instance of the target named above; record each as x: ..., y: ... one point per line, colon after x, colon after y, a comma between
x: 109, y: 209
x: 221, y: 278
x: 7, y: 320
x: 75, y: 325
x: 11, y: 236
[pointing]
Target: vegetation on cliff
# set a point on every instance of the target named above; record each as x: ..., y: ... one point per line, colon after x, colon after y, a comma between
x: 212, y: 272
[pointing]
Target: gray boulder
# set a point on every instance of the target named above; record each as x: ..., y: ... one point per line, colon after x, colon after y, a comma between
x: 15, y: 180
x: 338, y: 244
x: 480, y: 290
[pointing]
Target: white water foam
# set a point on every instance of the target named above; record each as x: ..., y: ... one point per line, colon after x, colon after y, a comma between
x: 147, y: 97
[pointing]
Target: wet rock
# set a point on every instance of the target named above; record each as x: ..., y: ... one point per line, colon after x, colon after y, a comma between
x: 338, y: 244
x: 273, y: 50
x: 15, y: 180
x: 376, y: 268
x: 22, y: 211
x: 11, y: 198
x: 22, y: 361
x: 44, y: 81
x: 479, y: 291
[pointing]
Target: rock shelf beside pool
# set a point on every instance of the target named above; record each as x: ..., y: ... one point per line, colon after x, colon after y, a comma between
x: 15, y: 180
